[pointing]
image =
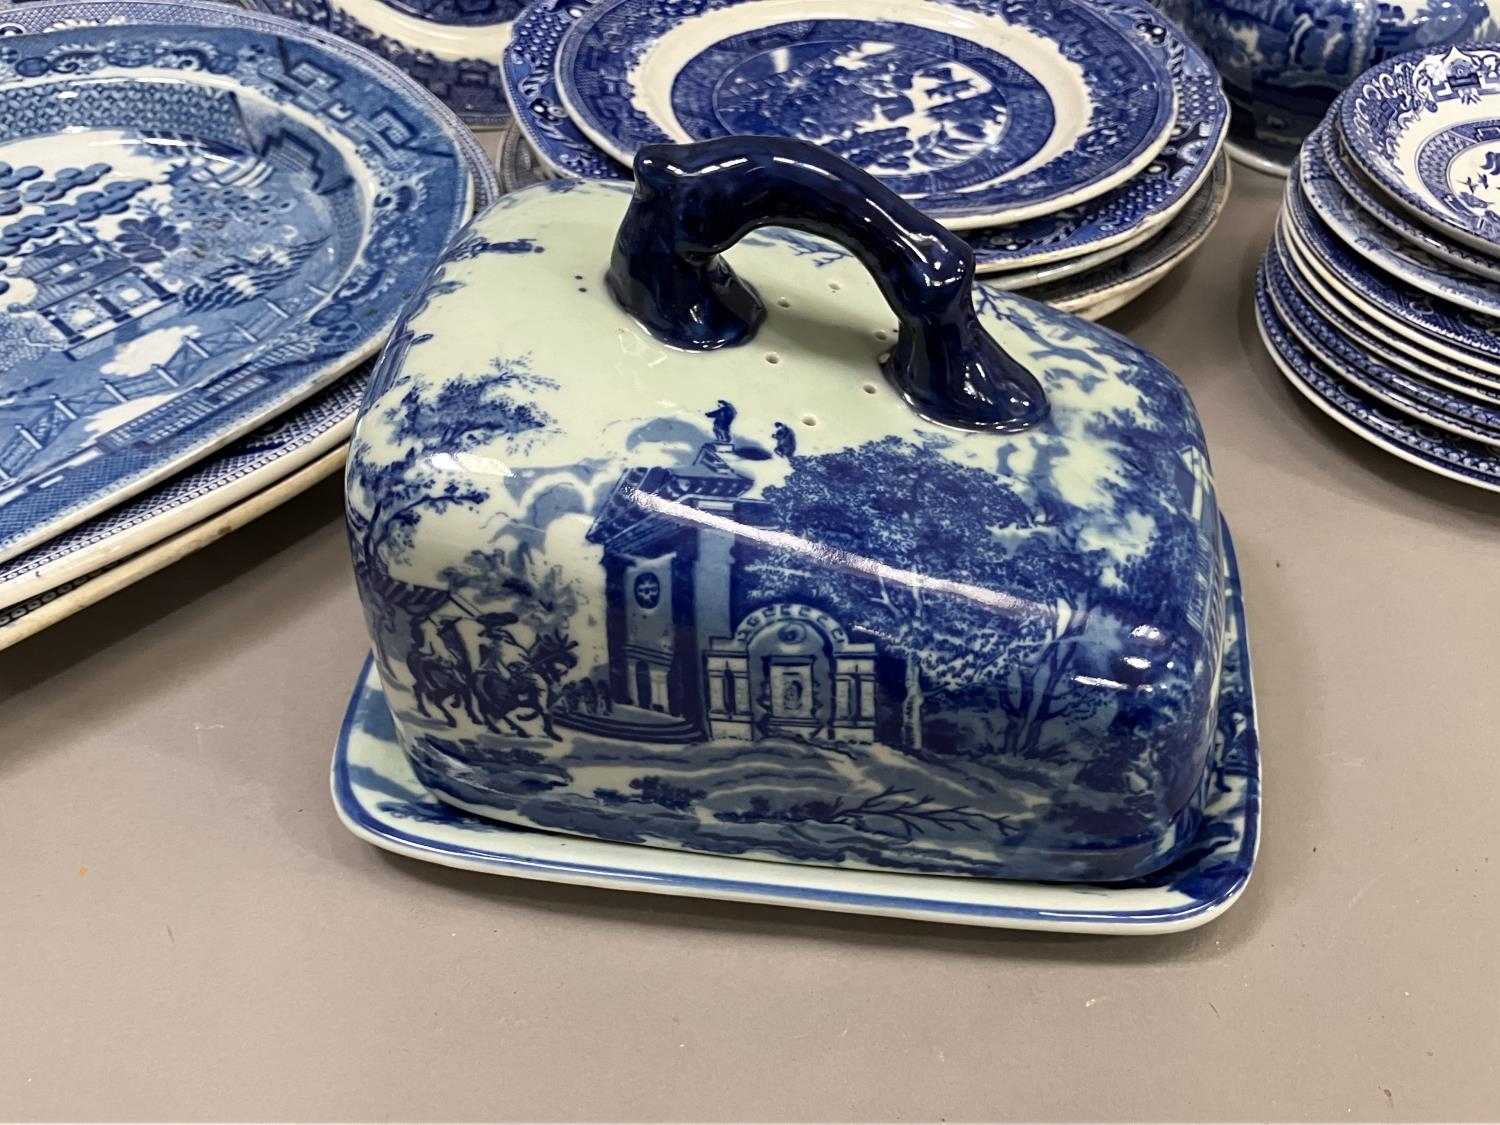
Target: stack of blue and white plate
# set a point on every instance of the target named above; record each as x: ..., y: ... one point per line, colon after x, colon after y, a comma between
x: 210, y: 219
x: 1075, y: 143
x: 1380, y: 295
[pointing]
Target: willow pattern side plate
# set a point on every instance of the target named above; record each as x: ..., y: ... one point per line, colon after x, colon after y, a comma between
x: 1423, y: 402
x: 1386, y: 249
x: 978, y: 111
x: 205, y: 225
x: 380, y: 800
x: 1423, y: 128
x: 1375, y: 422
x: 1428, y: 320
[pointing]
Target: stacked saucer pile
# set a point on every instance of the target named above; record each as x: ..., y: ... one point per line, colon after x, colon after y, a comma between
x: 210, y: 219
x: 1074, y: 143
x: 1379, y: 298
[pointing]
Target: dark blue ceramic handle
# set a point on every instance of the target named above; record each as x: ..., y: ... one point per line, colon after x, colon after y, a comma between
x: 692, y: 202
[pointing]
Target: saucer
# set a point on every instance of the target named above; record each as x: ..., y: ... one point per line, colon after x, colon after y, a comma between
x: 1359, y: 189
x: 1441, y: 327
x: 379, y: 799
x: 258, y: 459
x: 1390, y: 347
x: 978, y: 111
x: 1442, y: 410
x: 1422, y: 127
x: 26, y: 619
x: 1384, y: 248
x: 1377, y: 423
x: 228, y: 240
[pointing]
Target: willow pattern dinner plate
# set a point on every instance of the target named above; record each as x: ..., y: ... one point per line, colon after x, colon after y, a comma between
x: 1321, y: 190
x: 202, y: 226
x: 1145, y: 204
x: 978, y: 111
x: 1106, y: 288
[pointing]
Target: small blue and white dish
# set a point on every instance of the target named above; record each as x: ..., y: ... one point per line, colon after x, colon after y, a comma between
x: 1383, y: 247
x: 380, y: 799
x: 1422, y: 127
x: 452, y: 47
x: 241, y: 234
x: 701, y: 571
x: 1378, y: 423
x: 1436, y: 324
x: 1285, y: 61
x: 977, y: 111
x: 1443, y: 409
x: 1394, y: 219
x: 1376, y: 336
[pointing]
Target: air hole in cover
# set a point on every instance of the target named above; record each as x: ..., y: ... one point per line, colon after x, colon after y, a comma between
x: 772, y: 357
x: 783, y: 302
x: 871, y: 388
x: 809, y: 420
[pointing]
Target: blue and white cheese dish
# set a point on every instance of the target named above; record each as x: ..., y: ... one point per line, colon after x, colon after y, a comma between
x: 978, y: 111
x: 786, y: 545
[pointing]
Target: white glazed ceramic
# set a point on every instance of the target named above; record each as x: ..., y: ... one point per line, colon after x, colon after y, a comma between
x: 501, y: 464
x: 30, y: 617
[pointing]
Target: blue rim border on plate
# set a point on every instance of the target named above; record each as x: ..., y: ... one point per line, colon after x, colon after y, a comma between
x: 470, y: 87
x: 1217, y: 876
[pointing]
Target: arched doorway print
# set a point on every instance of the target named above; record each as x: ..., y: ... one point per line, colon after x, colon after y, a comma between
x: 643, y: 685
x: 791, y: 671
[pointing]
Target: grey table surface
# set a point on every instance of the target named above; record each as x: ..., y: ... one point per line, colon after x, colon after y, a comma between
x: 188, y: 933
